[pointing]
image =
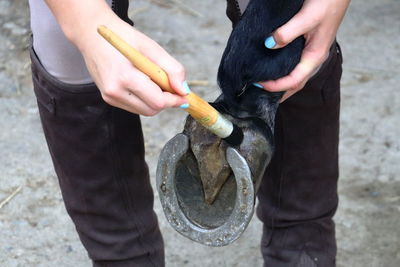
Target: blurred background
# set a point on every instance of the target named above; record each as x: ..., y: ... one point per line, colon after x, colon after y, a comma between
x: 34, y: 227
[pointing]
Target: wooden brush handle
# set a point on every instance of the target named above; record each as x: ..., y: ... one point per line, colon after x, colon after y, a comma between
x: 199, y: 109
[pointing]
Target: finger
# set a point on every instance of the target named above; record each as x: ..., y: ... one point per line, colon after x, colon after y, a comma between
x: 143, y: 87
x: 174, y: 101
x: 150, y: 93
x: 136, y: 105
x: 309, y: 64
x: 295, y: 80
x: 301, y: 23
x: 131, y: 103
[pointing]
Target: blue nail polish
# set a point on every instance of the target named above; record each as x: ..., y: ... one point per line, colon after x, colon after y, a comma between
x: 270, y: 42
x: 184, y: 106
x: 258, y: 85
x: 186, y: 87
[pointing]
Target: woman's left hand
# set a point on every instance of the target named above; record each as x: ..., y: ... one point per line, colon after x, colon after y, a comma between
x: 318, y: 21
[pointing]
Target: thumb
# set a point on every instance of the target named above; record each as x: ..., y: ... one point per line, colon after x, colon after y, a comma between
x: 301, y: 23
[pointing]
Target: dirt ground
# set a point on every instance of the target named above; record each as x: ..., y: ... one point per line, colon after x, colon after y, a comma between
x: 34, y: 227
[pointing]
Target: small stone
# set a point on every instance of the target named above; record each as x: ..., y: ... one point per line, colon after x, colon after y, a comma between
x: 375, y: 193
x: 15, y: 29
x: 7, y: 86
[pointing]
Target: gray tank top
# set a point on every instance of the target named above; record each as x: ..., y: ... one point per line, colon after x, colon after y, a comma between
x: 58, y: 56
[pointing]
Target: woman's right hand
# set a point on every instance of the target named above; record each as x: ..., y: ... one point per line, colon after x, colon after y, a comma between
x: 124, y: 86
x: 120, y: 83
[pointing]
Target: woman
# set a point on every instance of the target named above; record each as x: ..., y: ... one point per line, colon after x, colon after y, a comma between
x: 89, y: 97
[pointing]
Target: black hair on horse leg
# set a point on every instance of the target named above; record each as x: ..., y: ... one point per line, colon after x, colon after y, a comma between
x: 246, y: 60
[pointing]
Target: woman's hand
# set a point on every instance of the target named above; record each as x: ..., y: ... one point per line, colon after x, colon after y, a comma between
x: 318, y: 21
x: 120, y: 83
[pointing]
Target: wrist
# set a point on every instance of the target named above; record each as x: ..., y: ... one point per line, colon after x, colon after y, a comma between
x: 86, y: 32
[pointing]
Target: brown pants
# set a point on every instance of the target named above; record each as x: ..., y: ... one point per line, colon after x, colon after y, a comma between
x: 298, y: 194
x: 98, y: 155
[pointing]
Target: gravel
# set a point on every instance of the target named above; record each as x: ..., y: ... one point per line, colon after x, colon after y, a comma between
x: 34, y: 227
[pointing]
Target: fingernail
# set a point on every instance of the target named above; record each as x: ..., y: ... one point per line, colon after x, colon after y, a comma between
x: 258, y: 85
x: 184, y: 106
x: 186, y: 87
x: 270, y: 42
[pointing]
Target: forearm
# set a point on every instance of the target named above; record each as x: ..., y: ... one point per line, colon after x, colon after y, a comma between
x: 80, y: 19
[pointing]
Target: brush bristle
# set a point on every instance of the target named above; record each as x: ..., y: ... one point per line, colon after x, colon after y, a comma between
x: 236, y: 137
